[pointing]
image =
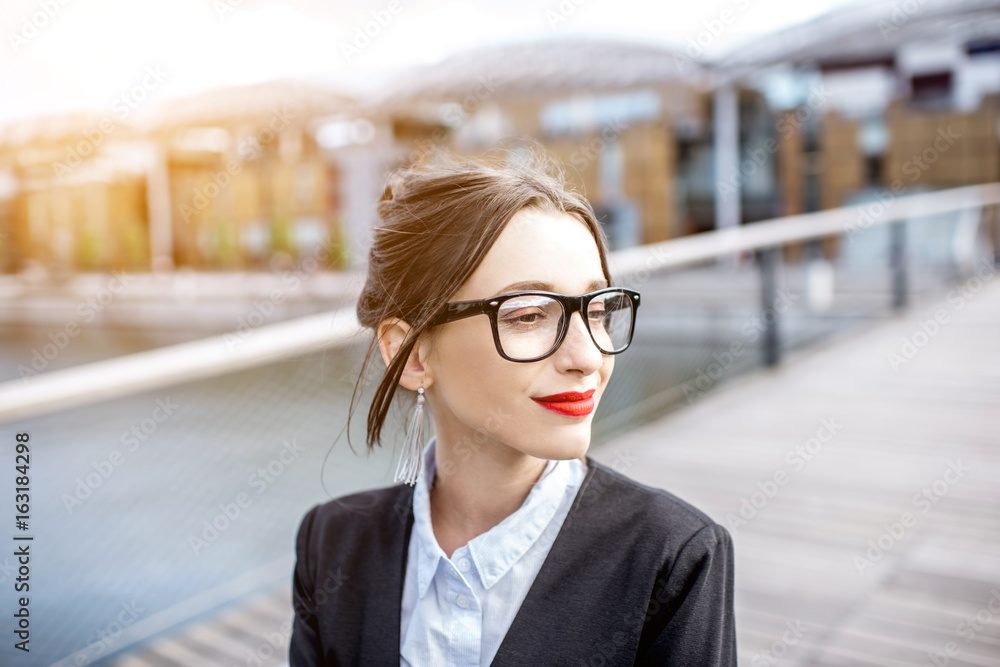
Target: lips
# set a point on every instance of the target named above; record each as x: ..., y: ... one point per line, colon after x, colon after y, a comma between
x: 569, y: 403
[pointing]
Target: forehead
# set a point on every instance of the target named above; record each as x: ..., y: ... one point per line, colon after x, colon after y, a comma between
x: 538, y: 247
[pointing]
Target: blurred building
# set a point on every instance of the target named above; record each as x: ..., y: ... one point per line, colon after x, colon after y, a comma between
x: 617, y: 115
x: 72, y: 197
x: 906, y: 91
x: 876, y: 101
x: 232, y: 178
x: 867, y: 99
x: 246, y: 180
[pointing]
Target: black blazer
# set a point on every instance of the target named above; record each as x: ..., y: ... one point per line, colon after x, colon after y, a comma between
x: 635, y: 576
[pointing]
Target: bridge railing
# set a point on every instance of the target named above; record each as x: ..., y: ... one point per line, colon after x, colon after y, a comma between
x: 104, y: 380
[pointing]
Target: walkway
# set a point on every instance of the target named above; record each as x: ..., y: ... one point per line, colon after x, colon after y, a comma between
x: 862, y: 490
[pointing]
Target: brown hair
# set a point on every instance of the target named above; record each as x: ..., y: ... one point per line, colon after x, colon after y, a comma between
x: 438, y: 222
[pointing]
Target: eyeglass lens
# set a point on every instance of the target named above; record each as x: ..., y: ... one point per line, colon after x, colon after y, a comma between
x: 528, y: 325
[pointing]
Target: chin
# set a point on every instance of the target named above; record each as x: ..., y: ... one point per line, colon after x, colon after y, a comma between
x: 564, y: 446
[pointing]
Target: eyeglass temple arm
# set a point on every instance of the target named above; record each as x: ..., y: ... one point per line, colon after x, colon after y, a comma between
x: 459, y: 309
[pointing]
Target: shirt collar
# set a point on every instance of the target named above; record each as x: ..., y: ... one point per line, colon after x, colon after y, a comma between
x: 498, y: 549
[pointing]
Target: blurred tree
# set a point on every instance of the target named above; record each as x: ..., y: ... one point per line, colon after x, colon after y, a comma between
x: 337, y: 252
x: 282, y: 236
x: 88, y: 251
x: 225, y: 248
x: 134, y: 246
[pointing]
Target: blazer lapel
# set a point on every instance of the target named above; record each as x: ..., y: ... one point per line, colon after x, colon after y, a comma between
x: 567, y: 553
x: 380, y: 644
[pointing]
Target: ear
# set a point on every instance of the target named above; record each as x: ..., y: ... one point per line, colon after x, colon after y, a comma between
x: 392, y: 332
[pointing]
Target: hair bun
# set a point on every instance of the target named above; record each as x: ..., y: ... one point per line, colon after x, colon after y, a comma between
x: 393, y: 186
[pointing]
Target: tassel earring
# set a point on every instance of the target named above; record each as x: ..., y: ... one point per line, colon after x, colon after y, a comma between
x: 409, y: 466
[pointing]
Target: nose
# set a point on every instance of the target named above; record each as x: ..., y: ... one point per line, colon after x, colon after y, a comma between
x: 578, y: 349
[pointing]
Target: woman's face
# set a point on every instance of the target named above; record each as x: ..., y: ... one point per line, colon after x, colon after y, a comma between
x: 481, y: 401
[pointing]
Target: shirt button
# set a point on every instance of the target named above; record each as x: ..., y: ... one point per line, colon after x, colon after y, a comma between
x: 462, y: 601
x: 463, y: 565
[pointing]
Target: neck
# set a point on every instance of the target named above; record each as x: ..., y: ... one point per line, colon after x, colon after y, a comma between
x: 473, y: 493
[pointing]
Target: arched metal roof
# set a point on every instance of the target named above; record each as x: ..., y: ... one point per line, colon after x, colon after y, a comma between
x: 542, y: 66
x: 865, y: 31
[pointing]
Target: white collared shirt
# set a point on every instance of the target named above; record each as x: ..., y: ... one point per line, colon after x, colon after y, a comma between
x: 456, y: 611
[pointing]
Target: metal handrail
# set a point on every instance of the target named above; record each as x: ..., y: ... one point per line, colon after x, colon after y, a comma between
x: 175, y: 364
x: 688, y: 250
x: 167, y: 366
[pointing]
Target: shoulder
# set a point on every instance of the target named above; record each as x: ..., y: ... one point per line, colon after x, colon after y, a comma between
x: 346, y: 575
x: 630, y: 507
x: 356, y: 520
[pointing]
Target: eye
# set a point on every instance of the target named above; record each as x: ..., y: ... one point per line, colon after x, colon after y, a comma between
x: 522, y: 316
x: 528, y: 311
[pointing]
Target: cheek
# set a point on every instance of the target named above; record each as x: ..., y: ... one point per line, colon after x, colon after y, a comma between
x: 472, y: 374
x: 607, y: 368
x: 605, y: 374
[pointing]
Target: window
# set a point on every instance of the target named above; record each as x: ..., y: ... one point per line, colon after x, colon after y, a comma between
x: 933, y: 87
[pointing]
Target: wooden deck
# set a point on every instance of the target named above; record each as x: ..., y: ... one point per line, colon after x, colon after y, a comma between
x: 255, y: 634
x: 805, y: 557
x: 878, y: 543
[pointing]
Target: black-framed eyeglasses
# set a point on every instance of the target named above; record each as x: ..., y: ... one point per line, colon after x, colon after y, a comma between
x: 531, y: 325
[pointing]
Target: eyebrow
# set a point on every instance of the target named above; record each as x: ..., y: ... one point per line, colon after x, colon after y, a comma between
x: 539, y: 285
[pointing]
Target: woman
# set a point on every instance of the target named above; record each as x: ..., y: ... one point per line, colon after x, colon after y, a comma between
x: 489, y: 295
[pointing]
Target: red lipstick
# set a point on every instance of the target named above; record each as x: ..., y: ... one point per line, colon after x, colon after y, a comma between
x: 569, y: 403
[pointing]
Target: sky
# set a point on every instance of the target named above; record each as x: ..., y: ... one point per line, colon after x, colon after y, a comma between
x: 69, y: 55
